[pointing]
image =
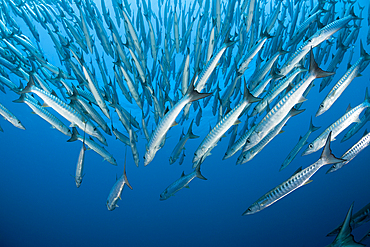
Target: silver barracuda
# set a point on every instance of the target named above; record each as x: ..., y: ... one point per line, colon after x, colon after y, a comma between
x: 62, y: 108
x: 180, y: 183
x: 181, y: 144
x: 338, y: 126
x: 7, y: 115
x: 275, y: 91
x: 249, y: 154
x: 297, y: 180
x: 211, y: 65
x: 80, y: 165
x: 116, y: 191
x: 281, y: 108
x: 210, y: 141
x: 351, y: 153
x: 302, y: 141
x: 356, y: 127
x: 43, y: 113
x: 168, y: 120
x: 343, y: 83
x: 93, y: 145
x: 316, y: 39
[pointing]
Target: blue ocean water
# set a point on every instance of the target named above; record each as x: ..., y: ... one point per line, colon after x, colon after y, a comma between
x: 41, y: 206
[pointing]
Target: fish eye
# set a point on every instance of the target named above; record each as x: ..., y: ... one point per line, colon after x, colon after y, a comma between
x: 310, y: 146
x: 248, y: 141
x: 249, y: 209
x: 334, y: 166
x: 322, y: 106
x: 95, y: 128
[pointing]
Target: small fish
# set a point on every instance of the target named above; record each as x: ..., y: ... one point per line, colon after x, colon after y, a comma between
x: 297, y: 180
x: 180, y: 183
x: 116, y: 191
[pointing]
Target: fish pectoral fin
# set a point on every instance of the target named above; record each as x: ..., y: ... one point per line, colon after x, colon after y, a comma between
x: 357, y: 120
x: 44, y: 105
x: 174, y: 124
x: 302, y: 99
x: 308, y: 181
x: 187, y: 186
x: 237, y: 122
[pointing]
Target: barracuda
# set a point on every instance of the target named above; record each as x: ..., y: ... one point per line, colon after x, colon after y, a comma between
x: 249, y: 154
x: 211, y: 65
x: 62, y: 108
x: 338, y: 126
x: 44, y: 114
x: 168, y: 120
x: 352, y: 152
x: 299, y: 178
x: 210, y: 141
x: 116, y: 191
x: 281, y: 109
x: 180, y: 183
x: 302, y: 141
x: 343, y: 83
x: 93, y: 145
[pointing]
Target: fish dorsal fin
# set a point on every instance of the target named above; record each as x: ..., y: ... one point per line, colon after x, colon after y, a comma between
x: 166, y: 110
x: 365, y: 132
x: 237, y: 122
x: 345, y: 231
x: 124, y: 171
x: 297, y: 171
x: 174, y: 124
x: 183, y: 174
x: 348, y: 108
x: 300, y: 137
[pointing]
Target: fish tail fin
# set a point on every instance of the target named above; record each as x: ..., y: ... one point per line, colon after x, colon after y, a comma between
x: 364, y: 54
x: 21, y: 99
x: 315, y: 70
x: 345, y: 231
x: 352, y: 13
x: 327, y: 155
x: 248, y: 96
x: 190, y: 131
x: 312, y: 127
x: 74, y: 136
x: 28, y: 88
x: 294, y: 112
x: 124, y: 171
x: 367, y: 98
x: 197, y: 172
x: 194, y: 95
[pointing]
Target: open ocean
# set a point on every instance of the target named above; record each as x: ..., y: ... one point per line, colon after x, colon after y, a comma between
x: 41, y: 206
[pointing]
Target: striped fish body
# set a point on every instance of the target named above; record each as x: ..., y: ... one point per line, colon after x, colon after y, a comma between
x: 337, y: 127
x: 11, y: 117
x: 278, y: 112
x: 339, y: 87
x: 163, y: 126
x: 297, y: 180
x: 221, y: 127
x: 351, y: 153
x: 45, y: 114
x: 287, y: 187
x: 65, y: 110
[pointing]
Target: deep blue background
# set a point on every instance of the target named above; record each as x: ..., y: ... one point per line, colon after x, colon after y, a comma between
x: 41, y: 206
